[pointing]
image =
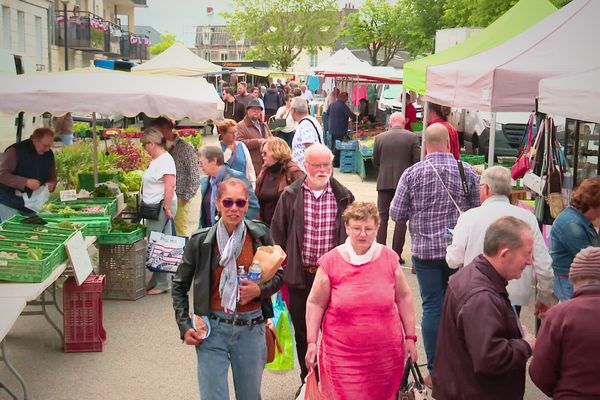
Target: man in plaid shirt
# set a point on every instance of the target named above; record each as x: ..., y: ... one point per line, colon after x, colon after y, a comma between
x: 308, y: 223
x: 430, y: 194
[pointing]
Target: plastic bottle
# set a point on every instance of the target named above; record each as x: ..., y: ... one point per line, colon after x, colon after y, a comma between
x: 241, y: 274
x: 255, y: 273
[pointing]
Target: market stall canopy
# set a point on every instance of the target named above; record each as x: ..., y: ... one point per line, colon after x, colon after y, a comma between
x: 265, y: 73
x: 573, y: 95
x: 176, y: 60
x: 344, y: 63
x: 102, y: 91
x: 521, y: 16
x: 506, y: 77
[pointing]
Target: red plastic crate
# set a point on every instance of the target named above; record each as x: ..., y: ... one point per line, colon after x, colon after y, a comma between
x: 83, y: 315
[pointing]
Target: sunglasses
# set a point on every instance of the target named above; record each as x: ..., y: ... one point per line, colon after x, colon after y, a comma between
x: 239, y: 203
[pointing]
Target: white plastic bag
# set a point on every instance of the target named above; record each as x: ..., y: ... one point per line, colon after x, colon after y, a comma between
x: 38, y: 198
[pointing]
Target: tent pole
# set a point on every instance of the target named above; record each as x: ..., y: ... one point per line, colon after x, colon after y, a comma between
x: 95, y: 145
x: 425, y: 121
x: 492, y: 142
x: 403, y: 100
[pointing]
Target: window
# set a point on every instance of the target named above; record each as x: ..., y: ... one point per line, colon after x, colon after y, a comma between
x: 223, y: 55
x: 21, y: 30
x: 38, y: 41
x: 207, y: 55
x: 6, y: 28
x: 313, y: 59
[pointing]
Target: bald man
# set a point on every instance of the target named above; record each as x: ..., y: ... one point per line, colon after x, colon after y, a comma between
x: 432, y: 194
x: 395, y: 150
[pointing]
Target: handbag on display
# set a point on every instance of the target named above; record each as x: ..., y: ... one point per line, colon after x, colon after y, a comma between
x: 555, y: 178
x: 521, y: 166
x: 531, y: 179
x: 415, y: 390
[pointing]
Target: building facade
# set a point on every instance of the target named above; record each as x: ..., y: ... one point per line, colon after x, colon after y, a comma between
x: 214, y: 41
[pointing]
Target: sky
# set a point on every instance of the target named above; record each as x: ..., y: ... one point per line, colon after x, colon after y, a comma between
x: 180, y: 16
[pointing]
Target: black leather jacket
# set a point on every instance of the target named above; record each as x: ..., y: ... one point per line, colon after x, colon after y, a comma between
x: 198, y: 263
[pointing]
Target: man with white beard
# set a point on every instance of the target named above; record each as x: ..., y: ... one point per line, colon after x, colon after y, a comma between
x: 307, y: 223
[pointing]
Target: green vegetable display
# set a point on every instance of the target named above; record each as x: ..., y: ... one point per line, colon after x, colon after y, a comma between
x: 133, y: 180
x: 104, y: 191
x: 35, y: 254
x: 122, y: 226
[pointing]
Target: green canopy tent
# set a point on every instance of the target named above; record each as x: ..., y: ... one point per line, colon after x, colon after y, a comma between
x: 519, y: 18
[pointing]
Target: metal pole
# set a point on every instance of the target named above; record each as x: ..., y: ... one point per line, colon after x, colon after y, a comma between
x: 95, y: 144
x: 425, y: 121
x: 66, y: 43
x: 403, y: 101
x: 492, y: 141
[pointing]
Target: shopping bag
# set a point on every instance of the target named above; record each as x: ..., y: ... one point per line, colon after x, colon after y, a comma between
x: 284, y: 360
x: 522, y: 164
x: 164, y: 252
x: 415, y: 390
x: 312, y: 391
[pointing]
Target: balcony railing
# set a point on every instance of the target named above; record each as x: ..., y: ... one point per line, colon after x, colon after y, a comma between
x: 140, y: 3
x: 135, y: 47
x: 85, y: 31
x: 112, y: 39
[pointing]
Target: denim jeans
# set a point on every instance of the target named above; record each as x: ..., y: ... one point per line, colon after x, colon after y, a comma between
x: 433, y: 278
x: 563, y: 288
x: 244, y: 347
x: 161, y: 280
x: 6, y: 212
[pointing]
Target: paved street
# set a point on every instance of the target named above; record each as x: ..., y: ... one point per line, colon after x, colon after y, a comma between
x: 144, y: 358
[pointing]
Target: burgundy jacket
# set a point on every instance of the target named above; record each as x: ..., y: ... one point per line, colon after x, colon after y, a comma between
x: 480, y: 351
x: 566, y: 359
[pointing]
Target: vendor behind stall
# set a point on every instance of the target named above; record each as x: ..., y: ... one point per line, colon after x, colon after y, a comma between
x: 25, y: 168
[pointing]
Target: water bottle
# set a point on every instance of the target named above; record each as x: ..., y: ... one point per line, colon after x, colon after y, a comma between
x: 255, y: 273
x: 241, y: 274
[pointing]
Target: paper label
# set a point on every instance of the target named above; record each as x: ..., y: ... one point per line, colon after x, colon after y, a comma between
x: 68, y: 195
x: 79, y: 257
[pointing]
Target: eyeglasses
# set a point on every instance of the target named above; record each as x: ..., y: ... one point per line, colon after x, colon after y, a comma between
x: 319, y: 166
x: 357, y: 231
x: 239, y: 203
x: 202, y: 162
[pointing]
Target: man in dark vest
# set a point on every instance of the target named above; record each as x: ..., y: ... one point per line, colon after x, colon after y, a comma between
x: 25, y: 167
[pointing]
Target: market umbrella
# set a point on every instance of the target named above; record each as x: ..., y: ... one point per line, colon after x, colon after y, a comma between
x: 106, y: 92
x: 176, y: 60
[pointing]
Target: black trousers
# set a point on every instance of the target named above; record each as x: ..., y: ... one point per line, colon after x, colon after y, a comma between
x: 297, y: 307
x: 384, y: 199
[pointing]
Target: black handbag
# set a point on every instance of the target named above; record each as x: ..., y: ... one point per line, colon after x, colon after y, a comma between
x: 150, y: 211
x: 415, y: 390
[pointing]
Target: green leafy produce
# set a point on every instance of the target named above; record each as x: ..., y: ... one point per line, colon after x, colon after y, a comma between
x: 35, y: 254
x: 122, y: 226
x: 66, y: 225
x: 104, y: 191
x: 133, y: 180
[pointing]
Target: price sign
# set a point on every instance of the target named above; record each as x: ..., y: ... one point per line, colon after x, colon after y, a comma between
x: 79, y: 257
x: 68, y: 195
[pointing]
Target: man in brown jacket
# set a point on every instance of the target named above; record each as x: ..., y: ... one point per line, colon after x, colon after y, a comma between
x: 395, y: 150
x: 308, y: 223
x: 481, y: 349
x: 253, y: 132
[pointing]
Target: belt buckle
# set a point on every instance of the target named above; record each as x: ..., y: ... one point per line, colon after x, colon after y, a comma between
x: 311, y: 270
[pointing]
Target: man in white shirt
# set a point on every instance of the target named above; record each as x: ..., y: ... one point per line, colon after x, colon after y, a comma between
x: 308, y: 130
x: 467, y: 241
x: 306, y: 93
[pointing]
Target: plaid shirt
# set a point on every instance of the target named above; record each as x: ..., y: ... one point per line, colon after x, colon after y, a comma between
x: 319, y: 224
x: 186, y: 165
x: 421, y: 198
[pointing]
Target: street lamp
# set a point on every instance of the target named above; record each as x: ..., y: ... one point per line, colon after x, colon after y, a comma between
x: 65, y: 3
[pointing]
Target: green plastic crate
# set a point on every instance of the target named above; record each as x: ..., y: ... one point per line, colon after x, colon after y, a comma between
x: 472, y: 159
x: 25, y: 270
x: 94, y: 226
x: 121, y: 237
x: 54, y: 249
x: 86, y: 179
x: 108, y: 203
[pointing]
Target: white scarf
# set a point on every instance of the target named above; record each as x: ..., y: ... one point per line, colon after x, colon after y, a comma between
x: 230, y: 248
x: 356, y: 259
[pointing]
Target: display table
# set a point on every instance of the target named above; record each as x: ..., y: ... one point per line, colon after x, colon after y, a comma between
x: 14, y: 296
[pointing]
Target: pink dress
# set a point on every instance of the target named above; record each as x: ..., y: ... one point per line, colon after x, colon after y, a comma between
x: 361, y: 355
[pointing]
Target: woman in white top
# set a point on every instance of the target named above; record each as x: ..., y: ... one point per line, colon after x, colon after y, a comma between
x: 158, y: 184
x: 235, y: 153
x: 285, y: 112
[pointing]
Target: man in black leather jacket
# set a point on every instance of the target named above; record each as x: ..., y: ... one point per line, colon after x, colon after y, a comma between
x: 238, y: 337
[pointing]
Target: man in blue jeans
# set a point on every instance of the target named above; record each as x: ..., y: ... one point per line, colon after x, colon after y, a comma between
x: 432, y: 194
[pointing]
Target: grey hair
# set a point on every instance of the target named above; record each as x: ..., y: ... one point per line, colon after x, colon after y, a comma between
x: 505, y: 232
x: 498, y: 179
x: 300, y: 105
x: 212, y: 153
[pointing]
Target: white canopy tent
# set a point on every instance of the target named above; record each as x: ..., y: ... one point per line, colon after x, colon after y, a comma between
x: 343, y: 63
x: 107, y: 92
x: 573, y: 95
x: 506, y: 77
x: 176, y: 60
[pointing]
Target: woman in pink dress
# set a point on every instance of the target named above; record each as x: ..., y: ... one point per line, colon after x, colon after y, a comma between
x: 364, y: 306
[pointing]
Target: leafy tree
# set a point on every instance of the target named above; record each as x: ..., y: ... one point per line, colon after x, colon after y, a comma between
x: 378, y: 27
x: 281, y: 29
x: 167, y: 40
x: 423, y: 18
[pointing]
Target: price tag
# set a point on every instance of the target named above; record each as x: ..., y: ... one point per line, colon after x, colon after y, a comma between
x: 79, y: 257
x: 68, y: 195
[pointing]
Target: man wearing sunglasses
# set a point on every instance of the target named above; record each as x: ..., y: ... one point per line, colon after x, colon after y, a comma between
x: 211, y: 161
x: 230, y: 329
x: 307, y: 223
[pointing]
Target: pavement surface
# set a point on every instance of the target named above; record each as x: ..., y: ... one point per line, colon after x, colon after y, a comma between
x: 144, y: 358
